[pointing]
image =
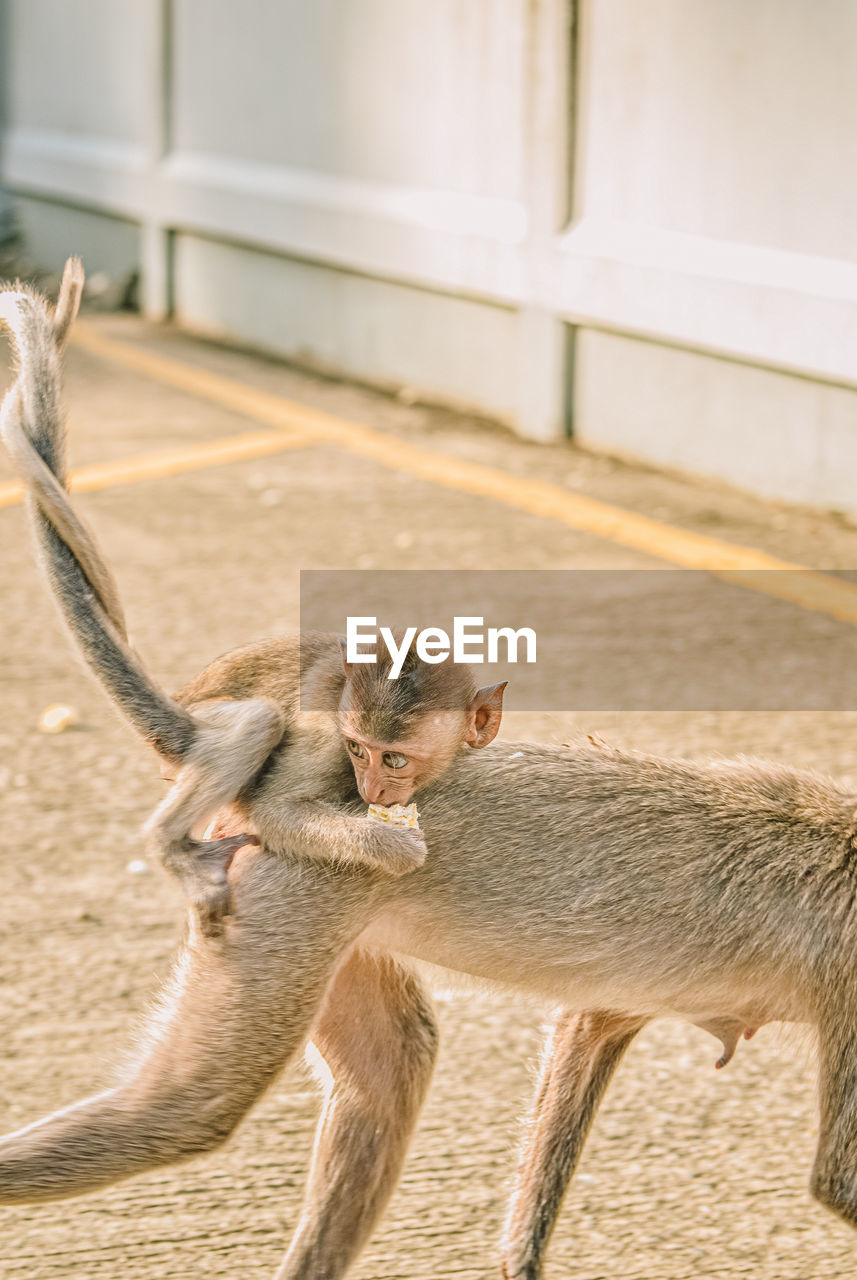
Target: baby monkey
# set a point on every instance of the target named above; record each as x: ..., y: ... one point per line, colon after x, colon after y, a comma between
x: 293, y: 771
x: 237, y: 731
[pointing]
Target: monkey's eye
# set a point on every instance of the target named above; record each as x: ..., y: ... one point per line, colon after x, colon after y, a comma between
x: 355, y: 748
x: 394, y: 759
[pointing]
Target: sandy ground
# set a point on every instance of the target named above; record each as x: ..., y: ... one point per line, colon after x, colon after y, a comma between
x: 688, y: 1172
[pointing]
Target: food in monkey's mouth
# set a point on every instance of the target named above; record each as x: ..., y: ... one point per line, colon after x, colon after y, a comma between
x: 396, y: 815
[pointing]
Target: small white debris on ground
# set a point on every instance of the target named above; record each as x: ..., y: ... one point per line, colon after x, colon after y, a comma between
x: 516, y: 755
x: 138, y: 867
x: 57, y: 718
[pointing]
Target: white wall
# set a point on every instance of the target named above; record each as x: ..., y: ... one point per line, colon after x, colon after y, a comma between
x: 433, y: 194
x: 715, y: 193
x: 727, y: 119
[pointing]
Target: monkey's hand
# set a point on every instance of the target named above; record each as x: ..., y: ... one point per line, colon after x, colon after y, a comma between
x: 396, y: 850
x: 201, y: 868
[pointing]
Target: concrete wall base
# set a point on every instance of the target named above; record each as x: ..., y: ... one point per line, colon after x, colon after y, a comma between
x: 771, y: 433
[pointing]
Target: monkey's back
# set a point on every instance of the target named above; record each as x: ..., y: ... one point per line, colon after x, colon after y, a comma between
x: 273, y: 668
x: 635, y: 881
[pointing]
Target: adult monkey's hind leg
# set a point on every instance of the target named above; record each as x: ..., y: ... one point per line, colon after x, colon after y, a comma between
x: 582, y: 1053
x: 237, y: 1010
x: 377, y: 1036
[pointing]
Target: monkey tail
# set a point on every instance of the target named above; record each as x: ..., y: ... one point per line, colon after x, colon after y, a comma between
x: 33, y: 429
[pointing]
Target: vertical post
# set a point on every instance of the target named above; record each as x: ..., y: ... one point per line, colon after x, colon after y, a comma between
x: 156, y: 300
x: 542, y: 348
x: 6, y: 210
x: 156, y: 236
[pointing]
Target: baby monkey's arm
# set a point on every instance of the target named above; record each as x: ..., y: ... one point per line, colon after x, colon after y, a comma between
x: 319, y: 829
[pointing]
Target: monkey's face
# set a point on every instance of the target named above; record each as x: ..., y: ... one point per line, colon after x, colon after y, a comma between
x: 391, y: 772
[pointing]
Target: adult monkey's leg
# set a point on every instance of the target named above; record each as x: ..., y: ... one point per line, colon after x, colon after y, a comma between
x: 834, y: 1174
x: 377, y: 1036
x: 582, y: 1053
x: 236, y: 1010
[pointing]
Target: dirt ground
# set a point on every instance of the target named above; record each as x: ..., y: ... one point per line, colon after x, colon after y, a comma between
x: 688, y: 1171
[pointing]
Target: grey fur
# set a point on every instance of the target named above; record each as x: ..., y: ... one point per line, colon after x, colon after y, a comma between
x: 33, y: 429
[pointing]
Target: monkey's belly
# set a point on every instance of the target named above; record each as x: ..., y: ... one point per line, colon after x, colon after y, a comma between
x: 630, y: 975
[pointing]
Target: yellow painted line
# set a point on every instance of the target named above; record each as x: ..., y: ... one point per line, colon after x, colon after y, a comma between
x: 745, y: 566
x: 169, y: 462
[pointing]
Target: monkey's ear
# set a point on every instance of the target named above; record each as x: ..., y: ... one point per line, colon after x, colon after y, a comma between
x: 484, y: 715
x: 347, y: 666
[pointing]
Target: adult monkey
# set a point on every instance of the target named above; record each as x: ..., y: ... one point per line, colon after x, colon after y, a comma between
x: 617, y: 884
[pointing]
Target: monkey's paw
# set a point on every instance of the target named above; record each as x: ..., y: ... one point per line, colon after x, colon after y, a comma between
x: 201, y: 866
x: 400, y: 849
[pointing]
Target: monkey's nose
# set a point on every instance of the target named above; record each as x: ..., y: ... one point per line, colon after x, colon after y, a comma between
x: 373, y: 792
